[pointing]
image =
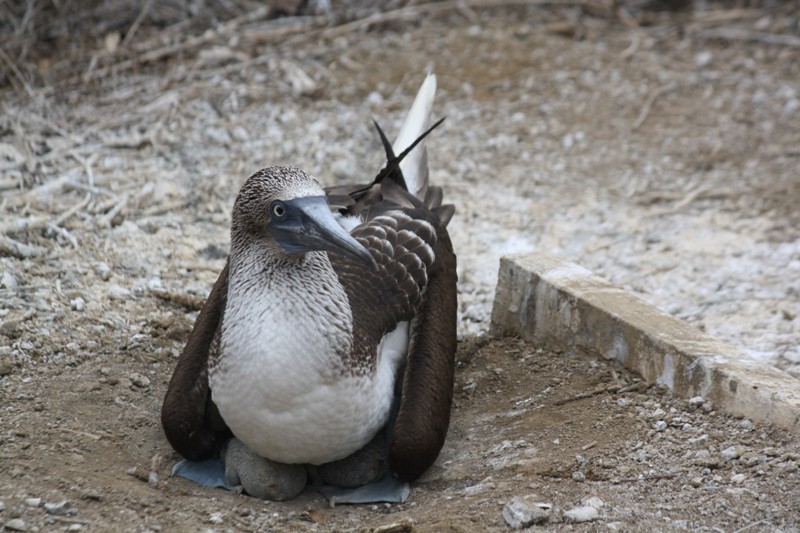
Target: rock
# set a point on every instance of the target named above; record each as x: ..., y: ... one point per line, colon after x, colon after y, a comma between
x: 215, y: 518
x: 695, y: 402
x: 103, y: 270
x: 59, y: 509
x: 396, y: 527
x: 16, y: 524
x: 116, y: 292
x: 78, y: 304
x: 33, y: 502
x: 139, y: 380
x: 658, y: 413
x: 2, y: 506
x: 522, y: 512
x: 696, y: 482
x: 578, y: 476
x: 6, y: 368
x: 660, y: 425
x: 581, y: 514
x: 703, y: 59
x: 8, y: 281
x: 593, y: 501
x: 738, y: 479
x: 733, y: 452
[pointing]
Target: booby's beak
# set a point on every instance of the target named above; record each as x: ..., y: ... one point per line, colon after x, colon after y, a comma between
x: 307, y: 224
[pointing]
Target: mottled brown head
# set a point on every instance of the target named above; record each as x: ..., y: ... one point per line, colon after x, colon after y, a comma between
x: 251, y: 211
x: 288, y: 207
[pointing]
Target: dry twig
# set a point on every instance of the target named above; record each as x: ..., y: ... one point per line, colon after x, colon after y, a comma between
x: 587, y: 394
x: 20, y: 250
x: 193, y: 303
x: 734, y: 34
x: 648, y: 105
x: 413, y: 12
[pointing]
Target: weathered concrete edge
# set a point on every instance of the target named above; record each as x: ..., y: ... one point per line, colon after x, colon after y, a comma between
x: 554, y: 302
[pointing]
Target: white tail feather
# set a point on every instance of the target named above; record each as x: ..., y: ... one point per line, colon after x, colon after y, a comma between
x: 415, y: 165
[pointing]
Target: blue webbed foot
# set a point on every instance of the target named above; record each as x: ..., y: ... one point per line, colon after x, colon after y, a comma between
x: 387, y: 489
x: 239, y: 469
x: 209, y: 473
x: 361, y: 477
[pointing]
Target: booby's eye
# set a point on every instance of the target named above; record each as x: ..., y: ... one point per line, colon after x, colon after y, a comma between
x: 278, y: 209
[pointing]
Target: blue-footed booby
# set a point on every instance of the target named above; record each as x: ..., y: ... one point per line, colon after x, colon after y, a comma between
x: 326, y: 346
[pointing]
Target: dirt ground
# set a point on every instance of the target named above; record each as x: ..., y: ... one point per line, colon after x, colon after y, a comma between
x: 662, y: 159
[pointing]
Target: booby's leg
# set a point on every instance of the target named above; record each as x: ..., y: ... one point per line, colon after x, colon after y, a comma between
x: 239, y: 469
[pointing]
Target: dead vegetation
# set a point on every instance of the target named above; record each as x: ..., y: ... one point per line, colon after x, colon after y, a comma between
x: 656, y: 147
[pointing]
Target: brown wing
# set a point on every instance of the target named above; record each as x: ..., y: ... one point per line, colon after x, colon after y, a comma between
x: 191, y: 421
x: 416, y: 281
x: 427, y: 389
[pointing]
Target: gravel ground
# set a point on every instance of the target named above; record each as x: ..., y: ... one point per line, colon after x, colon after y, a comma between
x: 666, y: 164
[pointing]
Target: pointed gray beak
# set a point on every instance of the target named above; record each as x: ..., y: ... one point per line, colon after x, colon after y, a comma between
x: 307, y: 224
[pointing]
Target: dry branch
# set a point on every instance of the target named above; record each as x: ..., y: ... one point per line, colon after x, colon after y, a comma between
x: 414, y: 11
x: 193, y: 303
x: 648, y: 105
x: 20, y: 250
x: 734, y: 34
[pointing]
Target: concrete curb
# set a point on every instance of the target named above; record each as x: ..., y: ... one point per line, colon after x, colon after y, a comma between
x: 554, y: 302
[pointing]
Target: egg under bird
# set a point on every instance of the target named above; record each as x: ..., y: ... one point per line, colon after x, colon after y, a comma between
x: 325, y: 349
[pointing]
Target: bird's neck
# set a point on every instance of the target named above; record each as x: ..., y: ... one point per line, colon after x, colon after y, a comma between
x: 282, y: 306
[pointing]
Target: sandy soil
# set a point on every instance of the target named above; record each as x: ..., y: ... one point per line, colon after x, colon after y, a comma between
x: 666, y: 164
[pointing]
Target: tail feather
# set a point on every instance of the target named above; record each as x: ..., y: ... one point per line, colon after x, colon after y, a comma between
x: 415, y: 166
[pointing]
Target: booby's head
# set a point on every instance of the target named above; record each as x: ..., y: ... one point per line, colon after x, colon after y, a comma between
x: 288, y: 207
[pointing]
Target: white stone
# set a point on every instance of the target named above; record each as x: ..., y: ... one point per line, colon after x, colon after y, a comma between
x: 581, y: 514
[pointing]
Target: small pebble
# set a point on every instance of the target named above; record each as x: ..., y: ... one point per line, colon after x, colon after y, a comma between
x: 33, y: 502
x: 75, y: 527
x: 581, y: 514
x: 115, y: 292
x: 6, y: 368
x: 139, y: 380
x: 703, y: 59
x: 661, y: 425
x: 8, y: 281
x: 738, y: 479
x: 59, y: 509
x: 215, y: 518
x: 16, y: 524
x: 593, y: 501
x: 104, y: 271
x: 522, y: 512
x: 734, y: 452
x: 658, y: 413
x: 578, y: 476
x: 77, y: 304
x: 695, y: 402
x: 696, y: 482
x: 2, y: 506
